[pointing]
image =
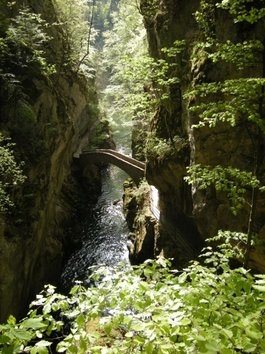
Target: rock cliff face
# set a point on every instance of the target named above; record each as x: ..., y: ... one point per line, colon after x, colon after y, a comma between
x: 141, y: 220
x: 64, y: 117
x: 189, y: 216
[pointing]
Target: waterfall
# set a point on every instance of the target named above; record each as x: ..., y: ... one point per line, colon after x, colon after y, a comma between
x: 154, y: 202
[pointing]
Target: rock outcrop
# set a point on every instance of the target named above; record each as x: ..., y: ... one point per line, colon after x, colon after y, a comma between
x: 189, y: 216
x: 141, y: 220
x: 63, y: 110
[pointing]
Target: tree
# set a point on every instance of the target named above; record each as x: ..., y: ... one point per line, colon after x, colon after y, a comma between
x: 76, y: 21
x: 138, y: 83
x: 23, y: 44
x: 123, y: 54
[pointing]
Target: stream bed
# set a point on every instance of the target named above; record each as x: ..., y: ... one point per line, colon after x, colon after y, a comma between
x: 104, y: 232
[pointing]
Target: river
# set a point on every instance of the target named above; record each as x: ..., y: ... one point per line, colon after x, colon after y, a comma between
x: 104, y: 232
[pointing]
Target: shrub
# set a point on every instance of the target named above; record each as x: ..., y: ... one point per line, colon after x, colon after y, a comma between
x: 206, y: 308
x: 11, y: 174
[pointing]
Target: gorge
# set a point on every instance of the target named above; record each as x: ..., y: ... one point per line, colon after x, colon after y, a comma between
x: 104, y: 233
x: 185, y: 78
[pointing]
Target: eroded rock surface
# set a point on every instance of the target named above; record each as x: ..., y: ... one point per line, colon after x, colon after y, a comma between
x: 64, y: 117
x: 189, y: 216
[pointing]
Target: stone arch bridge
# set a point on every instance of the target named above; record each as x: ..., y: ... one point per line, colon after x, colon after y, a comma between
x: 134, y: 168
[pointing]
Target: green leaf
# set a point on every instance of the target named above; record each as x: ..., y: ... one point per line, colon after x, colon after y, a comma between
x: 39, y: 350
x: 21, y: 334
x: 43, y: 343
x: 259, y: 287
x: 11, y: 319
x: 108, y: 328
x: 62, y: 347
x: 138, y: 326
x: 80, y: 320
x: 130, y: 334
x: 4, y: 339
x: 34, y: 323
x: 185, y: 322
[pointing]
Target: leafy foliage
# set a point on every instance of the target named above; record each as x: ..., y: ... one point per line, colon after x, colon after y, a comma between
x: 232, y: 181
x: 242, y: 55
x: 25, y: 41
x: 233, y: 101
x: 205, y: 18
x: 11, y: 174
x: 124, y: 75
x: 149, y: 8
x: 160, y: 149
x: 236, y: 100
x: 207, y: 308
x: 74, y: 20
x: 243, y: 10
x: 138, y: 84
x: 23, y: 54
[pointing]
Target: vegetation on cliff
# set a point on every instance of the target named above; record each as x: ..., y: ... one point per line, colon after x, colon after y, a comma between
x: 11, y: 175
x: 206, y: 308
x: 213, y: 94
x: 212, y: 306
x: 25, y: 46
x: 49, y: 110
x: 236, y: 100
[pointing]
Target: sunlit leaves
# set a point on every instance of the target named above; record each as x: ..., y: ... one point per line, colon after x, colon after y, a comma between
x: 28, y: 29
x: 260, y: 282
x: 205, y: 18
x: 159, y: 149
x: 74, y: 17
x: 242, y: 55
x: 27, y: 34
x: 138, y: 83
x: 149, y: 8
x: 11, y: 174
x: 177, y: 48
x: 124, y: 49
x: 244, y: 10
x: 153, y: 310
x: 234, y: 182
x: 234, y: 100
x: 230, y: 101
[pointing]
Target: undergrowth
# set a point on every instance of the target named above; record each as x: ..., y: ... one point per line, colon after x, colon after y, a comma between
x: 208, y: 307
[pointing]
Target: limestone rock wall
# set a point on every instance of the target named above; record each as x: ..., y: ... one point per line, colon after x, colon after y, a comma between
x: 32, y: 235
x: 179, y: 238
x: 32, y: 248
x: 140, y: 219
x: 189, y: 216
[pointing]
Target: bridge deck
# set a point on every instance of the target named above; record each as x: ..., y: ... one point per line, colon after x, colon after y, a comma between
x: 134, y: 168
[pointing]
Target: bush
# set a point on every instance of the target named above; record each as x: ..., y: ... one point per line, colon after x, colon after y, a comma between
x: 11, y: 174
x: 207, y: 308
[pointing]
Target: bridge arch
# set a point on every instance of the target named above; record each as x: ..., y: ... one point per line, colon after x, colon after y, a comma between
x: 134, y: 168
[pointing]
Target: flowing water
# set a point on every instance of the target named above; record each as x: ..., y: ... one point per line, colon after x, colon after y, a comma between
x: 104, y: 233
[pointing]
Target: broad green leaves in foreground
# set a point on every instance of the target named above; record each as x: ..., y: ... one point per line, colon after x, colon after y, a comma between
x: 150, y: 309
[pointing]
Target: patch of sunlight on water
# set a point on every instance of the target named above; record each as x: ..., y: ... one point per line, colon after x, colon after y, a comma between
x: 105, y: 232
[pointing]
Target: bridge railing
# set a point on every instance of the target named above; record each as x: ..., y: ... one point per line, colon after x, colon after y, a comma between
x: 119, y: 155
x: 134, y: 168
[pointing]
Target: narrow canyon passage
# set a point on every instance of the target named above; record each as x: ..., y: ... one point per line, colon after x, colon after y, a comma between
x: 179, y: 86
x: 104, y: 232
